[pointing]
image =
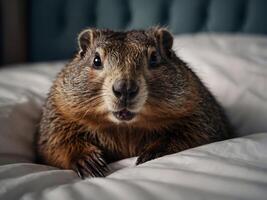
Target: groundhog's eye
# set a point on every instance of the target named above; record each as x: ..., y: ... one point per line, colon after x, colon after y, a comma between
x: 153, y: 60
x: 97, y: 64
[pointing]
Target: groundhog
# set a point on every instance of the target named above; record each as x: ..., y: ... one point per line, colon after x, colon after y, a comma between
x: 125, y: 94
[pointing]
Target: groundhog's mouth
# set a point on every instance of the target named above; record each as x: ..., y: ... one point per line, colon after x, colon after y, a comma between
x: 124, y: 115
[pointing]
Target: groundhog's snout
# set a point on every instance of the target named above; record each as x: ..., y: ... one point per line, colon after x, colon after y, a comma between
x: 125, y: 90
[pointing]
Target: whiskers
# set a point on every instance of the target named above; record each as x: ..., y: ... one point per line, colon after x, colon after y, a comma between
x: 96, y: 101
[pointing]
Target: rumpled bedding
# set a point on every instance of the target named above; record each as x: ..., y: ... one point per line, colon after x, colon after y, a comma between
x: 233, y: 67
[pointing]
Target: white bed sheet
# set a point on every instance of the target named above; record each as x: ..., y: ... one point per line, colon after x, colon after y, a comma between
x: 234, y: 68
x: 234, y: 169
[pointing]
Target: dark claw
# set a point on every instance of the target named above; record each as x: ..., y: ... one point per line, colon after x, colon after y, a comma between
x: 94, y: 169
x: 79, y: 173
x: 86, y: 171
x: 101, y: 164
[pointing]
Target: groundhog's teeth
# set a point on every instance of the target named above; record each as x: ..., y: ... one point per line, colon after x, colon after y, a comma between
x: 124, y: 115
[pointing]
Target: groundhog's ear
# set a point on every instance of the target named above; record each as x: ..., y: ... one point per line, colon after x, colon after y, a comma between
x: 86, y: 39
x: 164, y: 38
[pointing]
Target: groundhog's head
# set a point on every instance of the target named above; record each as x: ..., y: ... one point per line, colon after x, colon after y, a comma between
x: 127, y: 78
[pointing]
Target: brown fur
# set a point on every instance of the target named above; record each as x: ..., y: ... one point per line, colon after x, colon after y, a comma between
x: 176, y: 110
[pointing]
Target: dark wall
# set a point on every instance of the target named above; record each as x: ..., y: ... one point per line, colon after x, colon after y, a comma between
x: 1, y: 36
x: 13, y: 31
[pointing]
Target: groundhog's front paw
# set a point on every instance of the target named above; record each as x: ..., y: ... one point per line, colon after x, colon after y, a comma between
x: 89, y: 165
x: 149, y: 155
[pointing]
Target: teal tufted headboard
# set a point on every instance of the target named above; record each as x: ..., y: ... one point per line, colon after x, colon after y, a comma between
x: 54, y: 24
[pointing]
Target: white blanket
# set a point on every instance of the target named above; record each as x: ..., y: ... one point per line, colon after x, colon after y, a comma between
x: 234, y: 169
x: 234, y: 68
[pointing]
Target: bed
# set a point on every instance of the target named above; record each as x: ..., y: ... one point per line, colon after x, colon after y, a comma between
x: 234, y: 69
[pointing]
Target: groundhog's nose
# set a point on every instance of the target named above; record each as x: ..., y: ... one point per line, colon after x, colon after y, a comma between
x: 124, y: 89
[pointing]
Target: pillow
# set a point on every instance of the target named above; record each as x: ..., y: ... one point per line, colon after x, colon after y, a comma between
x: 22, y: 93
x: 234, y: 67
